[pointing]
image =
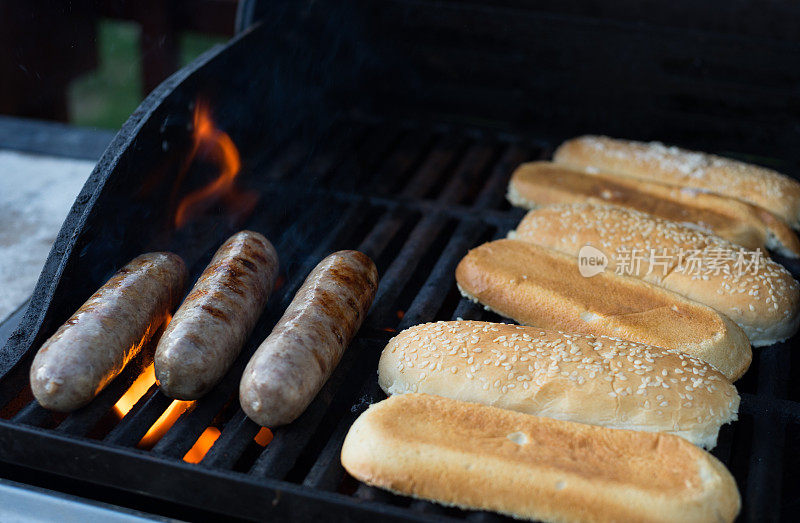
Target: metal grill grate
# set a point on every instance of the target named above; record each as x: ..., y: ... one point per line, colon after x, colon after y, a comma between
x: 415, y: 199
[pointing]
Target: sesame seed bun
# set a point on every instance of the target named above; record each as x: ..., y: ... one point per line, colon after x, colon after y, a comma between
x: 542, y: 287
x: 654, y: 161
x: 764, y: 301
x: 477, y: 457
x: 542, y: 183
x: 589, y: 379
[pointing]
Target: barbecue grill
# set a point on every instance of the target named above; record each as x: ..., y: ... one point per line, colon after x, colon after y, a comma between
x: 389, y: 127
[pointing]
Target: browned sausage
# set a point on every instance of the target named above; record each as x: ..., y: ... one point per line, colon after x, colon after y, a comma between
x: 297, y: 358
x: 215, y: 320
x: 96, y: 343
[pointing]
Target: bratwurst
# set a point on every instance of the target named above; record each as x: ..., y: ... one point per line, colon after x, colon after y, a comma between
x: 96, y: 343
x: 216, y: 318
x: 294, y: 362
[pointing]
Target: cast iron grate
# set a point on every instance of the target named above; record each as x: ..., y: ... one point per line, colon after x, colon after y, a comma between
x: 415, y: 198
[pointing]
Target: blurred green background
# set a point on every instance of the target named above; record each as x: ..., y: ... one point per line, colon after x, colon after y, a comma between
x: 107, y: 96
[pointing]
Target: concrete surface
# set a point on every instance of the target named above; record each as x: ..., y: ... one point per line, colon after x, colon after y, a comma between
x: 36, y: 192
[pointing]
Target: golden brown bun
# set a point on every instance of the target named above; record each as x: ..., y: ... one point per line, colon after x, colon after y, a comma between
x: 764, y: 301
x: 574, y: 377
x: 542, y: 183
x: 538, y: 286
x: 478, y: 457
x: 656, y: 162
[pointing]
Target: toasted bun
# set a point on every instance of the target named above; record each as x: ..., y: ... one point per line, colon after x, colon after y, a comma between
x: 478, y: 457
x: 574, y: 377
x: 655, y: 161
x: 542, y: 287
x: 541, y: 183
x: 764, y: 300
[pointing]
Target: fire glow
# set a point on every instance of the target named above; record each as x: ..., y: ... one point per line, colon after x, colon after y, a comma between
x: 202, y: 445
x: 146, y: 381
x: 215, y: 146
x: 135, y: 392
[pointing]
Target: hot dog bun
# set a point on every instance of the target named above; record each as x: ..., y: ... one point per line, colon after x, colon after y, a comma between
x: 574, y: 377
x: 654, y: 161
x: 763, y: 298
x: 542, y: 287
x: 478, y: 457
x: 541, y: 183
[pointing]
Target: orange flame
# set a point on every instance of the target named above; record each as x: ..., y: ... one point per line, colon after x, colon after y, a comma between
x: 202, y: 445
x: 164, y: 423
x: 219, y: 148
x: 139, y: 388
x: 263, y: 437
x: 135, y: 392
x: 211, y: 435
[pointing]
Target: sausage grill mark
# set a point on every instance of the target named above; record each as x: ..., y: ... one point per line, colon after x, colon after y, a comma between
x: 250, y: 265
x: 217, y: 313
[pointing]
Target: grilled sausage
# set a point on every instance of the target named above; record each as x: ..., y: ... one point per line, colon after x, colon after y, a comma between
x: 215, y: 320
x: 292, y: 364
x: 96, y: 343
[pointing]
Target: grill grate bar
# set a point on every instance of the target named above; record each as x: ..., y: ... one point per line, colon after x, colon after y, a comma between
x: 442, y: 157
x: 83, y: 420
x: 14, y: 384
x: 375, y: 148
x: 409, y: 152
x: 141, y: 417
x: 765, y: 474
x: 427, y: 507
x: 295, y: 237
x: 380, y: 236
x: 33, y: 414
x: 327, y: 471
x: 399, y: 272
x: 280, y: 456
x: 467, y: 310
x: 494, y: 191
x: 330, y: 157
x: 322, y: 162
x: 288, y: 161
x: 473, y: 163
x: 486, y: 517
x: 430, y: 297
x: 724, y: 444
x: 756, y: 405
x: 191, y: 424
x: 232, y: 442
